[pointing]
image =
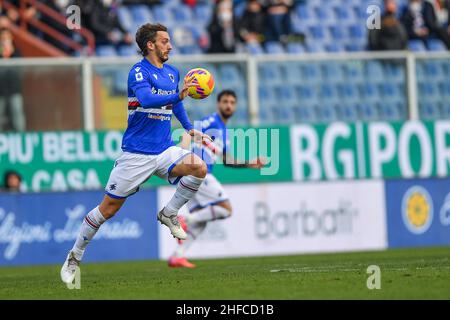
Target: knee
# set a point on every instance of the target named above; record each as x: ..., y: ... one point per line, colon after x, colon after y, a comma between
x: 227, y: 206
x: 203, y: 170
x: 199, y: 170
x: 227, y: 210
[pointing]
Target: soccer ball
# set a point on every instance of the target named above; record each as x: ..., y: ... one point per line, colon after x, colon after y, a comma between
x: 204, y: 83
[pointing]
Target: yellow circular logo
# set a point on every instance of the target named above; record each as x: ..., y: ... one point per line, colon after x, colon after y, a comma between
x: 417, y: 209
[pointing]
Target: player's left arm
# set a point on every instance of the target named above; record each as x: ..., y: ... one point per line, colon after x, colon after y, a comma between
x: 230, y: 161
x: 186, y: 140
x: 180, y: 112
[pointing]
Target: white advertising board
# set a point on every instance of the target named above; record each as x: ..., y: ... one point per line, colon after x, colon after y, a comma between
x: 289, y: 218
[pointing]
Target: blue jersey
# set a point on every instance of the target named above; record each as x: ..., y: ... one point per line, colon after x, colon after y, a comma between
x: 217, y: 129
x: 152, y: 97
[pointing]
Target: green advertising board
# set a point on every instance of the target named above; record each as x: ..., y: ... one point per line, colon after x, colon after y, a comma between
x: 370, y: 150
x: 76, y: 160
x: 60, y: 161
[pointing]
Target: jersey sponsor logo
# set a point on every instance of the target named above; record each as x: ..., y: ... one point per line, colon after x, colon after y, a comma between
x: 163, y: 92
x: 154, y: 110
x: 159, y: 117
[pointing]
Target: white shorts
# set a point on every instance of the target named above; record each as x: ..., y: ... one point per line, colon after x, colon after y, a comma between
x: 209, y: 193
x: 133, y: 169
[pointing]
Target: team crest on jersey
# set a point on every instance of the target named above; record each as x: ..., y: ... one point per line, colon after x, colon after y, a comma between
x: 155, y: 76
x: 171, y: 77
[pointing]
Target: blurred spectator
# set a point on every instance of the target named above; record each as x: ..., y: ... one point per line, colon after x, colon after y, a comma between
x: 86, y: 7
x: 14, y: 16
x: 278, y: 19
x: 392, y: 34
x: 193, y: 3
x: 7, y: 49
x: 149, y: 2
x: 104, y: 22
x: 222, y: 29
x: 30, y: 11
x: 436, y: 14
x: 12, y: 181
x: 414, y: 21
x: 59, y: 6
x: 11, y: 14
x: 4, y: 20
x: 190, y: 3
x: 252, y: 23
x: 11, y: 102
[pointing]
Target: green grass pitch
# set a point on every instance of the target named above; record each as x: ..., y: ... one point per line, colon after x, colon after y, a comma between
x: 405, y: 274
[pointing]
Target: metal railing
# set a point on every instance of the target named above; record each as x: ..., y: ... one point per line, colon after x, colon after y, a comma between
x: 50, y: 31
x: 251, y: 63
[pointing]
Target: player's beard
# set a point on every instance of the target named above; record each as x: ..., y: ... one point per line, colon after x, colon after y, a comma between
x: 161, y: 55
x: 226, y: 115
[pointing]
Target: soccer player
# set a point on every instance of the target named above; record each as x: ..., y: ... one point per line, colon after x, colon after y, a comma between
x: 147, y: 145
x: 210, y: 202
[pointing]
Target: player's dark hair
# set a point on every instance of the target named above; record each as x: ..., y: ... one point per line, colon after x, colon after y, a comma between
x: 146, y: 33
x: 226, y: 92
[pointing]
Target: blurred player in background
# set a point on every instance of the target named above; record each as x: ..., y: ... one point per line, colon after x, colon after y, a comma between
x: 210, y: 202
x: 12, y: 182
x: 147, y: 145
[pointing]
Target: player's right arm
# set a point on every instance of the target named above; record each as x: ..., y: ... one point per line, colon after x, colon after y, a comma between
x: 257, y: 163
x: 186, y: 141
x: 140, y: 83
x: 197, y: 136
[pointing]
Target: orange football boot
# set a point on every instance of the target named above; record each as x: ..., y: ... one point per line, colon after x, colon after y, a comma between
x: 175, y: 262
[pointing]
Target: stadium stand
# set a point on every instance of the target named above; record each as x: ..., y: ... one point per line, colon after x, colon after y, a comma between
x: 317, y: 92
x: 345, y: 90
x: 339, y: 25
